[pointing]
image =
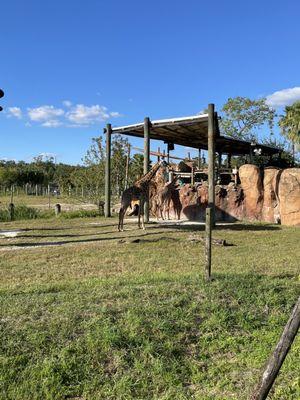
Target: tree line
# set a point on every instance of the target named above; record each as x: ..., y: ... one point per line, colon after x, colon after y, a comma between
x: 90, y: 175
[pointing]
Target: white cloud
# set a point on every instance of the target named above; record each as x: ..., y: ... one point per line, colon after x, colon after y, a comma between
x: 52, y: 123
x: 67, y: 103
x: 283, y: 97
x: 115, y: 114
x: 87, y: 115
x: 70, y: 115
x: 44, y: 113
x: 15, y: 112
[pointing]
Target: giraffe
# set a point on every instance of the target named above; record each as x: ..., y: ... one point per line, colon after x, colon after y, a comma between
x: 138, y: 191
x: 164, y: 198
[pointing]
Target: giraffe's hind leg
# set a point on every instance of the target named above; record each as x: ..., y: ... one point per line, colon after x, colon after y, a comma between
x: 122, y: 213
x: 141, y: 212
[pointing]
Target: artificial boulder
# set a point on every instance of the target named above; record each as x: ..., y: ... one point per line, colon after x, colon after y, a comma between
x: 252, y: 186
x: 289, y: 196
x: 270, y: 209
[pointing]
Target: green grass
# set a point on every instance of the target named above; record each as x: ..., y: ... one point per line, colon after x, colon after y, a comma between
x: 89, y: 314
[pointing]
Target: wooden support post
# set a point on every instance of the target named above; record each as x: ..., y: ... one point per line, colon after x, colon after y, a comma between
x: 193, y: 175
x: 275, y: 362
x: 57, y: 209
x: 158, y: 156
x: 209, y: 222
x: 251, y: 156
x: 168, y: 153
x: 208, y: 228
x: 146, y: 161
x: 211, y: 159
x: 199, y: 158
x: 219, y: 160
x: 229, y: 161
x: 11, y: 211
x: 219, y: 168
x: 108, y: 131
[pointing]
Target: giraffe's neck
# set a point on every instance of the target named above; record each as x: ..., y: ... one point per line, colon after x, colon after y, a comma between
x: 147, y: 177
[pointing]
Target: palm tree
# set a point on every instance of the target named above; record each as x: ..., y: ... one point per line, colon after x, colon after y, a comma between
x: 290, y: 125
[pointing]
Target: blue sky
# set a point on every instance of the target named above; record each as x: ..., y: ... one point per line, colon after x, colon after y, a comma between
x: 68, y: 67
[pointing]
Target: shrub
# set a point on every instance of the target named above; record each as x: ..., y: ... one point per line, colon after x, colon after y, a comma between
x: 80, y: 214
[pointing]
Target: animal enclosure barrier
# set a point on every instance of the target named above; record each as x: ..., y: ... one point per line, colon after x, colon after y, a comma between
x: 200, y: 132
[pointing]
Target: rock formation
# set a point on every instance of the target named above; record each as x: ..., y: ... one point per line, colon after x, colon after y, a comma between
x: 289, y: 196
x: 271, y: 195
x: 251, y: 183
x: 270, y: 209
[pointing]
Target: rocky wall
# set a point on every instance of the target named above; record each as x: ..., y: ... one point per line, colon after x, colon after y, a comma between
x: 270, y: 194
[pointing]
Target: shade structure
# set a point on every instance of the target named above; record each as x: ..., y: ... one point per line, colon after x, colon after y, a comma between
x: 192, y: 132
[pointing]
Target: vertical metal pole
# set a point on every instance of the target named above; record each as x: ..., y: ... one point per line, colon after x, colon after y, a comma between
x: 107, y: 212
x: 146, y: 161
x: 158, y: 156
x: 199, y: 158
x: 209, y: 222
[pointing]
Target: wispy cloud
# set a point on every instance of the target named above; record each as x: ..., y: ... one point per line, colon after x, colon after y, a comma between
x: 67, y: 103
x: 283, y: 97
x: 70, y: 115
x: 115, y: 114
x: 14, y: 112
x: 87, y: 115
x: 52, y: 123
x: 44, y: 113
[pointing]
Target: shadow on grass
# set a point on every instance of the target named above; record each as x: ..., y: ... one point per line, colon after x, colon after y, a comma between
x: 233, y: 227
x: 91, y: 240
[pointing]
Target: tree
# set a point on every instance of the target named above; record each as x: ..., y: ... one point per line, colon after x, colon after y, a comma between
x: 290, y: 125
x: 93, y: 176
x: 242, y: 116
x: 118, y: 163
x: 136, y: 168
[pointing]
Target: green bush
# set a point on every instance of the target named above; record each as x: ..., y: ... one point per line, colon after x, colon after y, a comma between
x: 80, y: 214
x: 20, y: 212
x: 24, y: 212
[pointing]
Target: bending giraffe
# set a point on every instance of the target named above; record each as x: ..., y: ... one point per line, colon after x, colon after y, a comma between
x: 139, y: 191
x: 164, y: 197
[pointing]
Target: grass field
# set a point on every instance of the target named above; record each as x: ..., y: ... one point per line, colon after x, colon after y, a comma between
x: 90, y: 313
x: 42, y: 202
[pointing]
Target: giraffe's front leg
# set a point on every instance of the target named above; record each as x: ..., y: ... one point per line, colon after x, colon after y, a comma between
x: 139, y: 214
x: 143, y: 212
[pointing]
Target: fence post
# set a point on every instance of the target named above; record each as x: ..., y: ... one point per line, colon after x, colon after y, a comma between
x: 11, y: 211
x: 275, y: 362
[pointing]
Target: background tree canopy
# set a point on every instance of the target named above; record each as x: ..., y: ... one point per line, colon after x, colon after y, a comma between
x: 243, y: 116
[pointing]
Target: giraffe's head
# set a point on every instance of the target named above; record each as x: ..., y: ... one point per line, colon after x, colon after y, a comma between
x: 163, y: 164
